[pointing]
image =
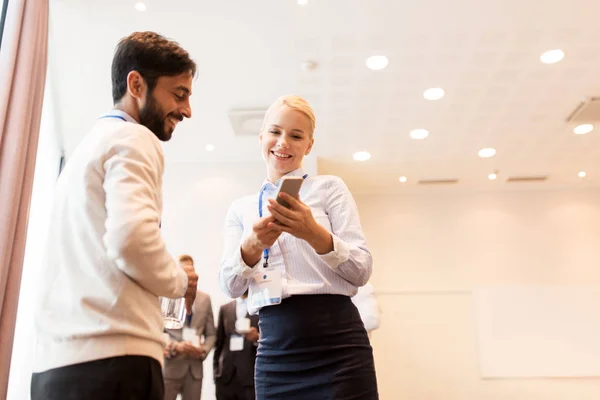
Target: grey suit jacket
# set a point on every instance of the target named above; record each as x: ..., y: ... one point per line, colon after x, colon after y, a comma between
x: 203, y: 322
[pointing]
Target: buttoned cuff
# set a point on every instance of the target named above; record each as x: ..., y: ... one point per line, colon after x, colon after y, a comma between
x: 241, y: 268
x: 340, y: 253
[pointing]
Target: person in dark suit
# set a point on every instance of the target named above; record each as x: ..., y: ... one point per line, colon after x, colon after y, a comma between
x: 235, y: 351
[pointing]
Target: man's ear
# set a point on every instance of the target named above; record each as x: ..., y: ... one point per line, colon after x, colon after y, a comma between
x: 136, y: 85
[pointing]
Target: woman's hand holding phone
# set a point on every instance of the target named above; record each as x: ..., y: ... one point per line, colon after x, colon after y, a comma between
x: 298, y: 221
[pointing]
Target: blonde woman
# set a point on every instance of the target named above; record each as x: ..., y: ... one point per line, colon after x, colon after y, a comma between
x: 301, y: 265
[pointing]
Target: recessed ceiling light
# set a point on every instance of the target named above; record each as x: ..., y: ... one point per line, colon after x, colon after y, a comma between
x: 361, y: 156
x: 308, y: 66
x: 303, y: 2
x: 434, y: 93
x: 583, y: 129
x: 487, y: 152
x: 210, y: 147
x: 552, y: 56
x: 582, y: 174
x: 140, y: 6
x: 419, y: 134
x: 403, y: 179
x: 377, y: 62
x: 492, y: 176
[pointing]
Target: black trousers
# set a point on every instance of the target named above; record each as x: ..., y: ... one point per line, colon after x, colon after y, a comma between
x: 233, y: 390
x: 314, y: 347
x: 117, y: 378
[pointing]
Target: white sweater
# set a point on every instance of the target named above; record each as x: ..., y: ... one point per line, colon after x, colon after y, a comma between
x: 106, y: 263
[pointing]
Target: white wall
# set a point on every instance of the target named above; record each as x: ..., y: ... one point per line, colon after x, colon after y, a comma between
x: 431, y: 250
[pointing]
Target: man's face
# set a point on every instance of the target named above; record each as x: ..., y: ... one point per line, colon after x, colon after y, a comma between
x: 167, y: 105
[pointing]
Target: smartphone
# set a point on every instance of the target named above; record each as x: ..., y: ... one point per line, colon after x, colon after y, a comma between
x: 289, y: 185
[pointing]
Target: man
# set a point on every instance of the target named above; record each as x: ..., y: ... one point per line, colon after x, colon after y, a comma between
x: 99, y: 323
x: 185, y: 352
x: 235, y: 352
x: 366, y: 303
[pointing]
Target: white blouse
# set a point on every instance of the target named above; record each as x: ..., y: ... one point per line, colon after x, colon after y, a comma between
x: 341, y: 271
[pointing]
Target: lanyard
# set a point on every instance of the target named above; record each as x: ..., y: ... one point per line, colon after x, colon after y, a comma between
x: 113, y: 116
x: 260, y: 214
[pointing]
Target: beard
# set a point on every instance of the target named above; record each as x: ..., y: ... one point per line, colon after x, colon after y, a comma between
x: 153, y: 117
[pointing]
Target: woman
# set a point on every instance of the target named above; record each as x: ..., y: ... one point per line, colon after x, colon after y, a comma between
x: 312, y: 255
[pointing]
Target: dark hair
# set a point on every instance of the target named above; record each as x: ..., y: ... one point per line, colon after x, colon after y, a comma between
x: 186, y: 258
x: 150, y: 54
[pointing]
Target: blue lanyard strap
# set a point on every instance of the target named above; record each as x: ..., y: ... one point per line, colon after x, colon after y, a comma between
x: 113, y: 116
x: 260, y: 214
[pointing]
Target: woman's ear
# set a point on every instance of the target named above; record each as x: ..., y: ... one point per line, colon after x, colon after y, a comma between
x: 312, y: 141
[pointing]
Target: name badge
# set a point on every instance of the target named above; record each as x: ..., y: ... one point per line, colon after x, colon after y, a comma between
x: 236, y: 343
x: 266, y: 287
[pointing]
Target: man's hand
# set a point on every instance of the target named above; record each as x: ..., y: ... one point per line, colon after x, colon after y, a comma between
x: 252, y: 335
x: 190, y: 294
x: 167, y: 350
x: 198, y: 352
x: 190, y: 350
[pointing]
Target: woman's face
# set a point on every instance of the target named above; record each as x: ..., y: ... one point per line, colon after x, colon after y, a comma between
x: 285, y: 140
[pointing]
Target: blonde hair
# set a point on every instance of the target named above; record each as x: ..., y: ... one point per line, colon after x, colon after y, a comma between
x: 295, y: 103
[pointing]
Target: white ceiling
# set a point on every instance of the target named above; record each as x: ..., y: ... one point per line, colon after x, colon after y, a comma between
x: 484, y: 53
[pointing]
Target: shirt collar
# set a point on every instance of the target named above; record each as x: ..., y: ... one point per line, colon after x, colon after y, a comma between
x: 123, y: 114
x: 268, y: 185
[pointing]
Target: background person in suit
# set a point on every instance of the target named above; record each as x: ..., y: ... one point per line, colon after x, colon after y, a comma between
x: 235, y: 353
x: 188, y: 348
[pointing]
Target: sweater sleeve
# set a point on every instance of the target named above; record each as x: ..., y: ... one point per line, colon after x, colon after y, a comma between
x: 132, y: 184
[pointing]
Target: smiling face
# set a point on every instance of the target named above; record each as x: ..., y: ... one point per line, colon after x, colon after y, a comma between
x: 152, y: 81
x: 167, y: 105
x: 286, y: 137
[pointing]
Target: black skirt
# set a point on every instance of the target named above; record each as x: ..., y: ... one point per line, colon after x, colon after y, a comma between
x: 314, y: 347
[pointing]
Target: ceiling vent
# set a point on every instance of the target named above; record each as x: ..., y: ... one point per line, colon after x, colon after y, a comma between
x: 246, y: 121
x: 437, y: 181
x: 538, y: 178
x: 587, y: 111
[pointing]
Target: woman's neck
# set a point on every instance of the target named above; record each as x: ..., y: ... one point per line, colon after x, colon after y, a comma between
x: 274, y: 176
